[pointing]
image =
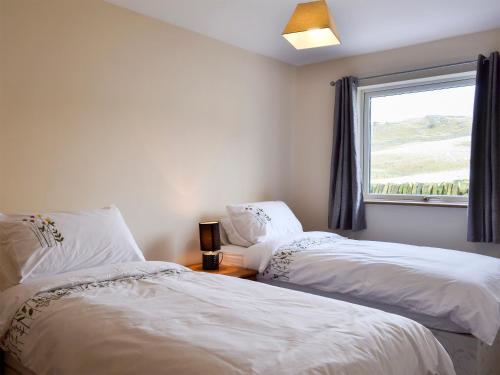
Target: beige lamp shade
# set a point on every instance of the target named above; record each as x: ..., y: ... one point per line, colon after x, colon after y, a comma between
x: 311, y: 26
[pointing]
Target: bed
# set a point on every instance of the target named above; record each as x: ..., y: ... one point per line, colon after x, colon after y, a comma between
x: 86, y: 302
x: 457, y: 294
x: 155, y: 317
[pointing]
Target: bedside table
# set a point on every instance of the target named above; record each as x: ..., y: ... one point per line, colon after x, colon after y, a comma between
x: 234, y: 271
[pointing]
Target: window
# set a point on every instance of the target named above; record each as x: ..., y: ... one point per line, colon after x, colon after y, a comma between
x: 416, y: 138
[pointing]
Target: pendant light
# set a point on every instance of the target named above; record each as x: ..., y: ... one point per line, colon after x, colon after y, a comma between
x: 311, y: 26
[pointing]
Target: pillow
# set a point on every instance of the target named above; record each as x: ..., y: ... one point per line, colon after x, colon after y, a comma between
x: 224, y: 240
x: 232, y: 235
x: 39, y: 245
x: 263, y: 221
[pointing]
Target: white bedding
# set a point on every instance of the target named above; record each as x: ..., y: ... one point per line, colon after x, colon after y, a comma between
x: 454, y: 285
x: 155, y: 317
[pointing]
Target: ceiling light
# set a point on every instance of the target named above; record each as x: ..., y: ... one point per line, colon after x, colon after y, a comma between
x: 311, y: 26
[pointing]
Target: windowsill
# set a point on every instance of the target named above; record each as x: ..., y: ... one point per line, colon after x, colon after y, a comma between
x: 413, y: 203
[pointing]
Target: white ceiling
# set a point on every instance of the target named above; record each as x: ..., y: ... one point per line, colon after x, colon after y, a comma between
x: 364, y: 25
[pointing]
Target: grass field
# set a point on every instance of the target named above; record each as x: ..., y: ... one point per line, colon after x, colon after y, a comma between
x: 433, y: 151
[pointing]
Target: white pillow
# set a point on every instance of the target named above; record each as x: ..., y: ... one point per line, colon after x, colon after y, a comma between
x: 224, y: 240
x: 39, y: 245
x: 232, y: 235
x: 263, y: 221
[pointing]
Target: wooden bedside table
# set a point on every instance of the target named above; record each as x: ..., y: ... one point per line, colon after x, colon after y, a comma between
x: 234, y: 271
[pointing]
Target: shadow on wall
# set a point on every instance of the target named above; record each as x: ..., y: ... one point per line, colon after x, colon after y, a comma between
x: 161, y: 249
x: 191, y: 253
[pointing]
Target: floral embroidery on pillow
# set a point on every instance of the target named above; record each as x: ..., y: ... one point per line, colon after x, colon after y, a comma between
x: 259, y: 214
x: 45, y: 230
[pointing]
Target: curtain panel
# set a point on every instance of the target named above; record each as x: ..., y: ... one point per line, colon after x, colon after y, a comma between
x: 346, y: 206
x: 484, y: 190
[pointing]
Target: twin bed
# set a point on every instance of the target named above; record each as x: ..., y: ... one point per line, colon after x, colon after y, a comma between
x: 454, y: 293
x: 161, y: 318
x: 78, y: 298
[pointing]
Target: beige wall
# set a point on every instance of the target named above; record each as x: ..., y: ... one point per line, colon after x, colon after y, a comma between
x: 312, y: 139
x: 107, y: 106
x: 100, y: 105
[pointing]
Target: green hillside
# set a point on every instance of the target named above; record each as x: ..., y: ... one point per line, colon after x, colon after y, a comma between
x: 429, y: 128
x: 408, y: 156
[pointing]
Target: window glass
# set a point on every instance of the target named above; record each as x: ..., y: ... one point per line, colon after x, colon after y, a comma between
x: 420, y: 141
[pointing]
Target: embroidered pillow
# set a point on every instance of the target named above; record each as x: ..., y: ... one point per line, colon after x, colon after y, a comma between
x: 37, y: 245
x: 263, y: 221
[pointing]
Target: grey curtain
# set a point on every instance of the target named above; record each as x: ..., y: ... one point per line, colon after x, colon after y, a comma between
x: 346, y: 206
x: 484, y: 190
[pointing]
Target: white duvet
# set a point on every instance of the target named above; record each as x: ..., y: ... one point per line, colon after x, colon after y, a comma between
x: 459, y: 286
x: 161, y: 318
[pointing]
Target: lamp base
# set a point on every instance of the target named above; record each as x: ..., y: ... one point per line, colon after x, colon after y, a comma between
x: 211, y: 261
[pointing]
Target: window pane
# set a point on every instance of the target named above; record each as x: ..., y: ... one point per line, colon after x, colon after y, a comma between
x: 420, y: 142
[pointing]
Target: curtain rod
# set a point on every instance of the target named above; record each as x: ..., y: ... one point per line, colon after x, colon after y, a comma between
x: 332, y: 83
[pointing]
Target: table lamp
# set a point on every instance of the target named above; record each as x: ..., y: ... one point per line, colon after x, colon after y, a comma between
x: 210, y: 244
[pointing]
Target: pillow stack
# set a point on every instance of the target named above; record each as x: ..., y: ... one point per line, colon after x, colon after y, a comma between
x: 251, y: 223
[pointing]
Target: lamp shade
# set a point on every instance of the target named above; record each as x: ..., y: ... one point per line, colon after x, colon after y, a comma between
x: 209, y: 236
x: 311, y: 26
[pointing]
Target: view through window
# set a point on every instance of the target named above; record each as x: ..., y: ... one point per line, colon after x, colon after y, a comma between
x: 420, y: 142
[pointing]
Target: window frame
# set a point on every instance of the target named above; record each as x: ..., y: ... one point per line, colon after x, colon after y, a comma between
x: 365, y: 93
